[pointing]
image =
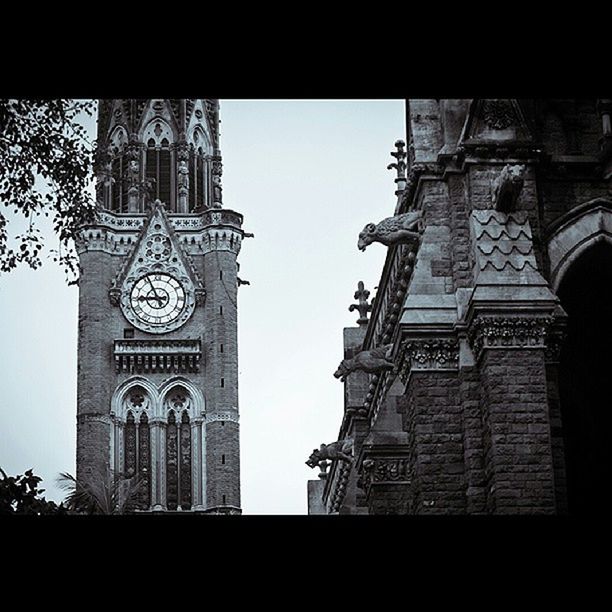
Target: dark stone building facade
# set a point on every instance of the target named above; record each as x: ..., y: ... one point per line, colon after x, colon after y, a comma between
x: 157, y: 344
x: 488, y: 342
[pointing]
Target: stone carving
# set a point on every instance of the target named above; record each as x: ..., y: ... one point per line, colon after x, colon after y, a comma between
x: 401, y: 229
x: 217, y: 191
x: 383, y: 469
x: 363, y: 307
x: 498, y: 114
x: 399, y: 165
x: 372, y: 362
x: 183, y: 184
x: 341, y: 450
x: 508, y: 332
x: 436, y: 354
x: 507, y: 188
x: 242, y: 282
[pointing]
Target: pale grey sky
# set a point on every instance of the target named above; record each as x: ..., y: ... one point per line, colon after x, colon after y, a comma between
x: 307, y: 175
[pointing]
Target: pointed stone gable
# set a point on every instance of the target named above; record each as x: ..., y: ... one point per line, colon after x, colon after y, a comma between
x: 157, y: 250
x: 496, y: 119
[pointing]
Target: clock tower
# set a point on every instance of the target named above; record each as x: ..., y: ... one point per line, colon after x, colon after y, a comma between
x: 157, y: 346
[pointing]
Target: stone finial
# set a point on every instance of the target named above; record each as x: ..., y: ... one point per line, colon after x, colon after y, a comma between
x: 363, y: 307
x: 399, y: 165
x: 323, y: 465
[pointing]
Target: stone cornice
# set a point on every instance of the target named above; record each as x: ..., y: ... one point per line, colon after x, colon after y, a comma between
x: 215, y: 229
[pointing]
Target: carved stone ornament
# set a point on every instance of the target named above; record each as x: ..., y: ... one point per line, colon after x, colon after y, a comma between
x: 488, y: 332
x: 400, y: 229
x: 498, y: 114
x: 435, y: 354
x: 341, y: 450
x: 362, y: 294
x: 507, y: 188
x: 379, y: 470
x: 400, y: 164
x: 158, y: 287
x: 114, y: 295
x: 372, y: 362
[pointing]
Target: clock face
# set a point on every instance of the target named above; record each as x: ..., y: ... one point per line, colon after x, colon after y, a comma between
x: 157, y: 298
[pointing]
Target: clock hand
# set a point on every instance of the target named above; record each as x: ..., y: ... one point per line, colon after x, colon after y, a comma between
x: 146, y: 298
x: 152, y: 287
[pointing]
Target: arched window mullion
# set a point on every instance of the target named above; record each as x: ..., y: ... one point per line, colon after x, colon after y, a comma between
x: 185, y: 462
x: 171, y: 462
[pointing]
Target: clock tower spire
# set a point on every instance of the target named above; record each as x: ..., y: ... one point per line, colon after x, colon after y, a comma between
x: 157, y: 349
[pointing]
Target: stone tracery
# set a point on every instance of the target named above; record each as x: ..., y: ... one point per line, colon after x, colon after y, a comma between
x: 157, y: 435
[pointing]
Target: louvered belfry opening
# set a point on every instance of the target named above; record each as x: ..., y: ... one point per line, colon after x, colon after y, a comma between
x: 150, y: 152
x: 119, y: 186
x: 197, y: 179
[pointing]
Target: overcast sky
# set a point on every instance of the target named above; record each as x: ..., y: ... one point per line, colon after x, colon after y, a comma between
x: 307, y: 175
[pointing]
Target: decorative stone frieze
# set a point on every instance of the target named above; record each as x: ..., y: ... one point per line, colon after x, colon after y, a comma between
x: 429, y: 354
x: 157, y: 355
x: 504, y: 332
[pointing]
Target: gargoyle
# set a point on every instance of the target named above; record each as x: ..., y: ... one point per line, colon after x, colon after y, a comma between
x: 507, y: 188
x: 341, y: 450
x: 401, y: 229
x: 376, y: 360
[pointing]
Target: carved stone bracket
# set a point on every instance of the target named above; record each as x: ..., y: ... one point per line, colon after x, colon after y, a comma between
x: 114, y: 295
x: 232, y: 417
x: 382, y: 468
x: 555, y: 338
x: 429, y: 354
x: 491, y: 332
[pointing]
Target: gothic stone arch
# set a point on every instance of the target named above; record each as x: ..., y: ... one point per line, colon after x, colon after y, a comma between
x: 142, y: 415
x: 570, y: 236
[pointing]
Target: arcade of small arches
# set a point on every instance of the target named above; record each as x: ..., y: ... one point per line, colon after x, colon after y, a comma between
x: 158, y: 434
x: 158, y: 167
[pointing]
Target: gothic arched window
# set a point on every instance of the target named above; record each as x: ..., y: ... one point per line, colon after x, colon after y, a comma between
x: 158, y: 162
x: 136, y: 442
x: 197, y: 170
x: 157, y: 435
x: 178, y: 449
x: 116, y: 183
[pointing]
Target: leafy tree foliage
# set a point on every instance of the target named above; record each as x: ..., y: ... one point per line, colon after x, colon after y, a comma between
x: 21, y: 495
x: 46, y: 164
x: 106, y: 493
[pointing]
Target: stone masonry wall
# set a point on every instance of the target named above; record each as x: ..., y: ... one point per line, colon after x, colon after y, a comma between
x: 432, y: 418
x: 518, y: 459
x: 472, y: 439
